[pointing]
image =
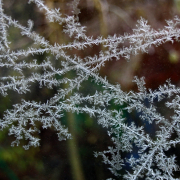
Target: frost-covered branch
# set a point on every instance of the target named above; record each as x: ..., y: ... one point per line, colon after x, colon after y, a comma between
x: 24, y: 118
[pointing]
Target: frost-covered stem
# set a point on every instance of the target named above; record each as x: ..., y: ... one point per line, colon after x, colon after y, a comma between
x: 3, y: 27
x: 135, y: 176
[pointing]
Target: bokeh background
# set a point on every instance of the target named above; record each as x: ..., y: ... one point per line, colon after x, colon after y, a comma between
x: 74, y: 159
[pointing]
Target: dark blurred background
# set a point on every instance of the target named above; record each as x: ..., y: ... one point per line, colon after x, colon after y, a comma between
x: 74, y: 159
